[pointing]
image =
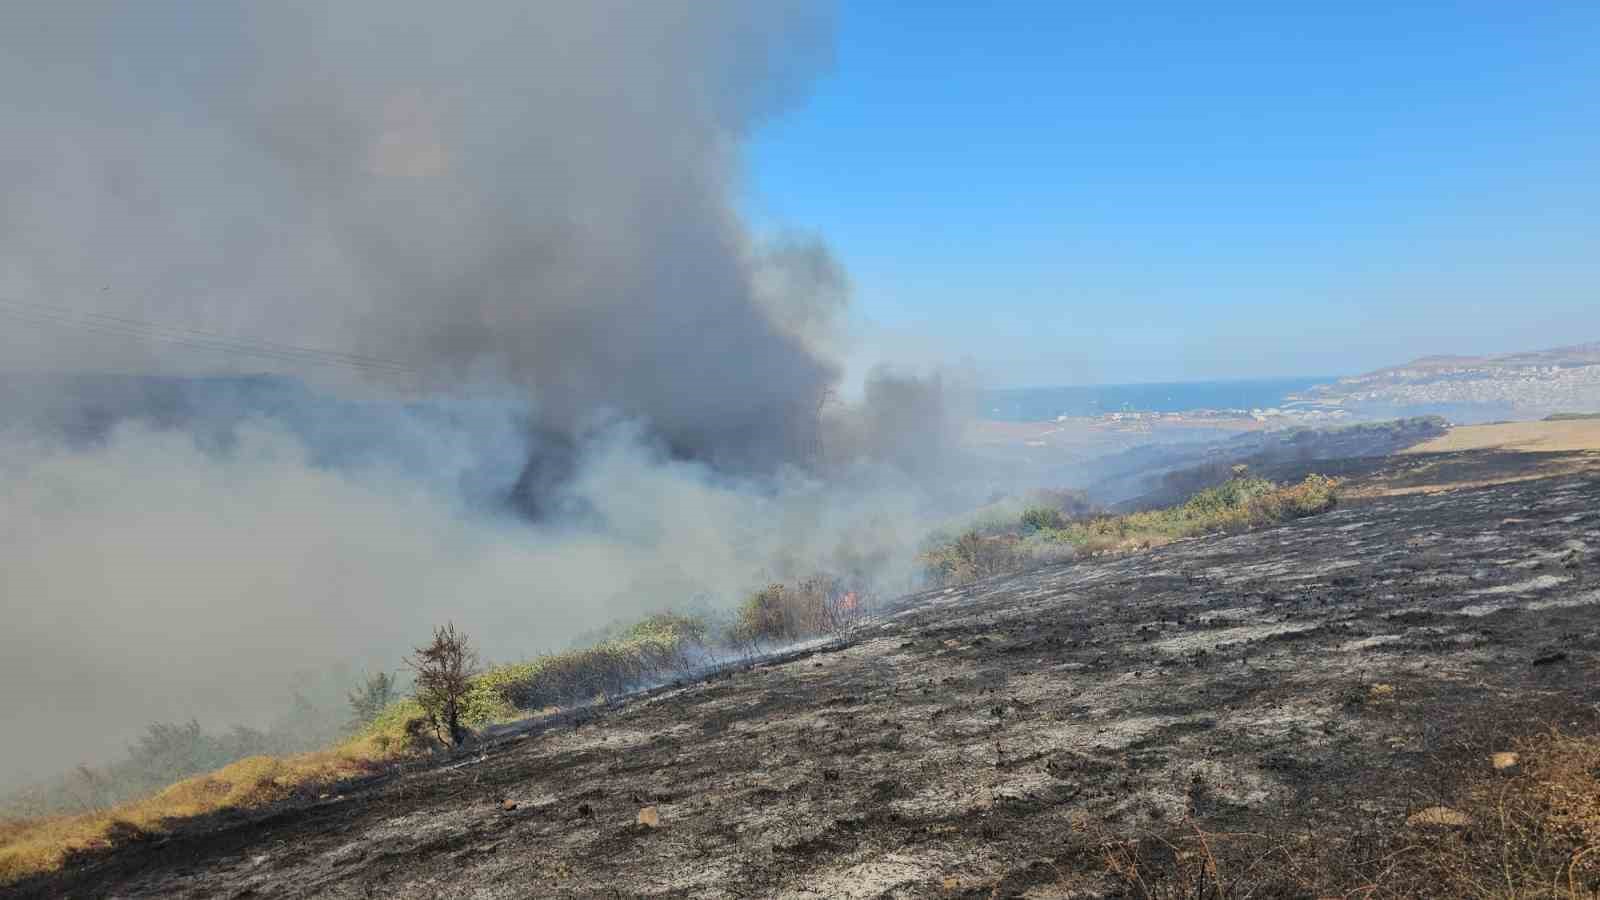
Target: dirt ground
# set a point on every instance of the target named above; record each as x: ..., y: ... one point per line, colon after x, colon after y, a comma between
x: 1320, y: 676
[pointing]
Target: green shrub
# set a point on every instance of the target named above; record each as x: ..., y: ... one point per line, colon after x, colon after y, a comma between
x: 1042, y: 535
x: 1042, y: 518
x: 490, y: 698
x: 400, y: 727
x: 369, y: 698
x: 972, y: 556
x: 650, y: 650
x: 783, y: 613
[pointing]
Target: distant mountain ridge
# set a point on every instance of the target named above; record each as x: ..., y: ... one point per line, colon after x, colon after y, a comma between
x: 1573, y: 355
x: 1528, y: 384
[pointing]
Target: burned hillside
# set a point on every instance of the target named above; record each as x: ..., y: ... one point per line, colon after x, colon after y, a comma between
x: 1315, y: 678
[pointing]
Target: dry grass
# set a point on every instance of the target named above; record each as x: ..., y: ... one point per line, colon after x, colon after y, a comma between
x: 649, y: 650
x: 40, y: 845
x: 1533, y: 834
x: 1528, y: 437
x: 1538, y: 830
x: 1236, y: 505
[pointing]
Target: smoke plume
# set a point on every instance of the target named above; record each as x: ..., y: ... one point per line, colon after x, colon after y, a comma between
x: 538, y: 190
x: 483, y: 236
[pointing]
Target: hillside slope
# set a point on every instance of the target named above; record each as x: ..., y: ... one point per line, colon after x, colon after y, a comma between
x: 1317, y: 677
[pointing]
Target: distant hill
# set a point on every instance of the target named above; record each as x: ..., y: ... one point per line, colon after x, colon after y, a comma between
x: 1522, y: 385
x: 1575, y: 355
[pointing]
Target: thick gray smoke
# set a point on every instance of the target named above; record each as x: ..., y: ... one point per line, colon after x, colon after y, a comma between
x: 481, y: 235
x: 541, y: 191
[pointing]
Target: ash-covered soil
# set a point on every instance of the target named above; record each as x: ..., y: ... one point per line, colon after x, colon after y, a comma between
x: 1323, y: 675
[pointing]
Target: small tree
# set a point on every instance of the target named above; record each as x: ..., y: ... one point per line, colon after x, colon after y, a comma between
x: 368, y: 698
x: 92, y: 785
x: 167, y: 752
x: 444, y: 673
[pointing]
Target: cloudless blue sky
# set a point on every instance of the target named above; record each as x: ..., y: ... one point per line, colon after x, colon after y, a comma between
x: 1078, y: 193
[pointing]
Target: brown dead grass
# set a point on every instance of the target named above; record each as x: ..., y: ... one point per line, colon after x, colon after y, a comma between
x: 32, y: 846
x: 1442, y: 474
x: 1531, y: 832
x: 1540, y: 831
x: 1473, y: 456
x: 1527, y: 437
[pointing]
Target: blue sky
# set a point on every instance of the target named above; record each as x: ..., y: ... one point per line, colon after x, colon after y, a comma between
x: 1080, y: 193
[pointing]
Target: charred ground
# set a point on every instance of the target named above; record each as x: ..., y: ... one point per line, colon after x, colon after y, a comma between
x: 1321, y: 679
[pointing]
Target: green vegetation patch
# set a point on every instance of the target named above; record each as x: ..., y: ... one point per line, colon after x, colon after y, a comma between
x: 648, y: 651
x: 784, y: 613
x: 1042, y: 534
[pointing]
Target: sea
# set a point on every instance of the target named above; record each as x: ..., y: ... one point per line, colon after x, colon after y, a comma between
x: 1036, y: 404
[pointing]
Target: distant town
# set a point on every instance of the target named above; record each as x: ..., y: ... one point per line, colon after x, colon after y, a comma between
x: 1291, y: 412
x: 1521, y: 385
x: 1524, y: 389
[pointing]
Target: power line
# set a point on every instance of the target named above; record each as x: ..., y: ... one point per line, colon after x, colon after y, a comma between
x: 305, y: 355
x: 197, y: 332
x: 194, y: 338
